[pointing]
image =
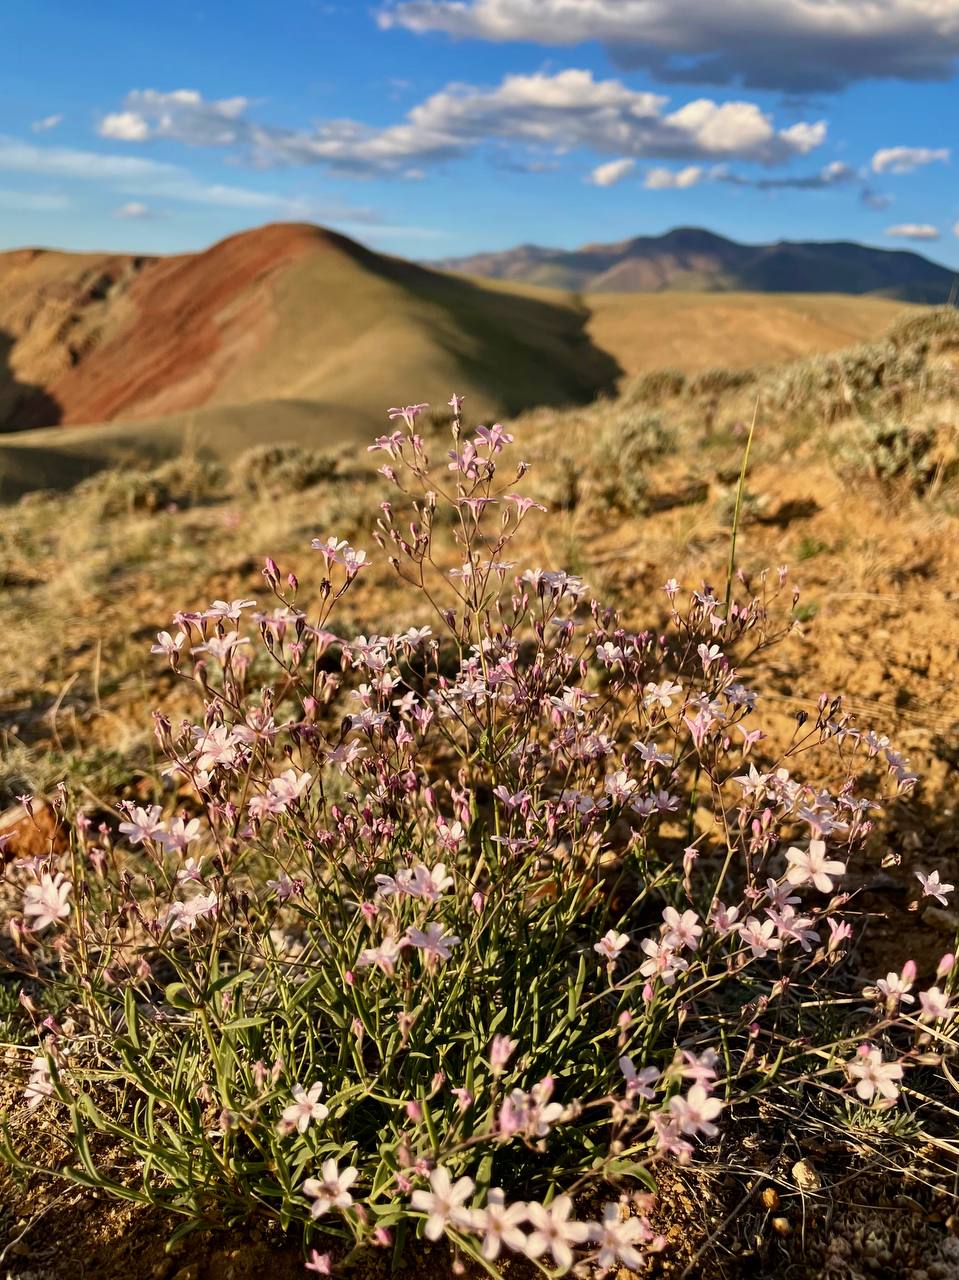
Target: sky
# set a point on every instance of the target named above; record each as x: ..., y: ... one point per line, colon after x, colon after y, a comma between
x: 437, y: 128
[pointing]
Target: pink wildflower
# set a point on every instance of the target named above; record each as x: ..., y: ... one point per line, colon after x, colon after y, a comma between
x: 144, y: 824
x: 435, y: 942
x: 498, y: 1224
x: 935, y: 1005
x: 611, y: 944
x: 933, y: 887
x: 681, y: 930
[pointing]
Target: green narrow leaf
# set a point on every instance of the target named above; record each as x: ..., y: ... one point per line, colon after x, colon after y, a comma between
x: 131, y: 1017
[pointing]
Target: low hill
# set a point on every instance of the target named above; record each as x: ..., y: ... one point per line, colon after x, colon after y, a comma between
x: 689, y: 258
x: 292, y: 333
x: 282, y: 312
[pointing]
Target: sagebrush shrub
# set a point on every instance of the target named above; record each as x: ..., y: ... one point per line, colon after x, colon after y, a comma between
x: 282, y: 468
x: 630, y: 444
x: 889, y: 450
x: 655, y: 386
x: 181, y: 482
x: 938, y: 325
x: 837, y: 385
x: 452, y: 928
x: 717, y: 382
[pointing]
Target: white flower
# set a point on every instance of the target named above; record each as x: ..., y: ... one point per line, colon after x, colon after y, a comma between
x: 696, y: 1112
x: 180, y: 834
x: 498, y: 1224
x: 383, y: 957
x: 435, y: 942
x: 45, y: 903
x: 933, y: 887
x: 618, y: 1240
x: 444, y: 1203
x: 661, y: 695
x: 611, y: 945
x: 216, y: 747
x: 429, y: 884
x: 873, y: 1076
x: 554, y: 1231
x: 186, y: 915
x: 304, y: 1108
x: 333, y: 1191
x: 229, y: 609
x: 39, y: 1086
x: 287, y: 788
x: 221, y: 647
x: 811, y: 866
x: 895, y: 987
x: 168, y: 645
x: 663, y: 961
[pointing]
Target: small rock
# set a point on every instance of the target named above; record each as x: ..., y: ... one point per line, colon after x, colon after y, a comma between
x: 782, y: 1226
x: 31, y: 837
x: 940, y: 919
x: 805, y: 1176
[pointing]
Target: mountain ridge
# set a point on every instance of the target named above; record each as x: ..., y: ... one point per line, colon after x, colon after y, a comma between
x: 696, y: 259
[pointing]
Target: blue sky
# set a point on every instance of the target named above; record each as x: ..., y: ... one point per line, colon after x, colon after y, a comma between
x: 432, y: 128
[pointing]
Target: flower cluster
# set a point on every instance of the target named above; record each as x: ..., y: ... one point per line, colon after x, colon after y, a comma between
x: 443, y: 900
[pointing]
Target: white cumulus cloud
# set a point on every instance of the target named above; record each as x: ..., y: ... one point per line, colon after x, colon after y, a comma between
x: 913, y: 231
x: 906, y: 159
x: 563, y: 111
x: 182, y: 114
x: 770, y: 44
x: 673, y: 179
x: 124, y: 126
x: 607, y: 175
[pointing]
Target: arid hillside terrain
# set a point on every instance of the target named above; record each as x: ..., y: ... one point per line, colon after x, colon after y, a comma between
x: 287, y: 312
x: 292, y: 333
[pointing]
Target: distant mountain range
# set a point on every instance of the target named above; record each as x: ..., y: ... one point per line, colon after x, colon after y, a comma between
x: 692, y: 259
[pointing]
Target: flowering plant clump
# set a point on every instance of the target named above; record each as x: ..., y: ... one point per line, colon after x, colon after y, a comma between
x: 458, y: 928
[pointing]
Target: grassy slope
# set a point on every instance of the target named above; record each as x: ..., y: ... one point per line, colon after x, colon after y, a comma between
x: 695, y: 331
